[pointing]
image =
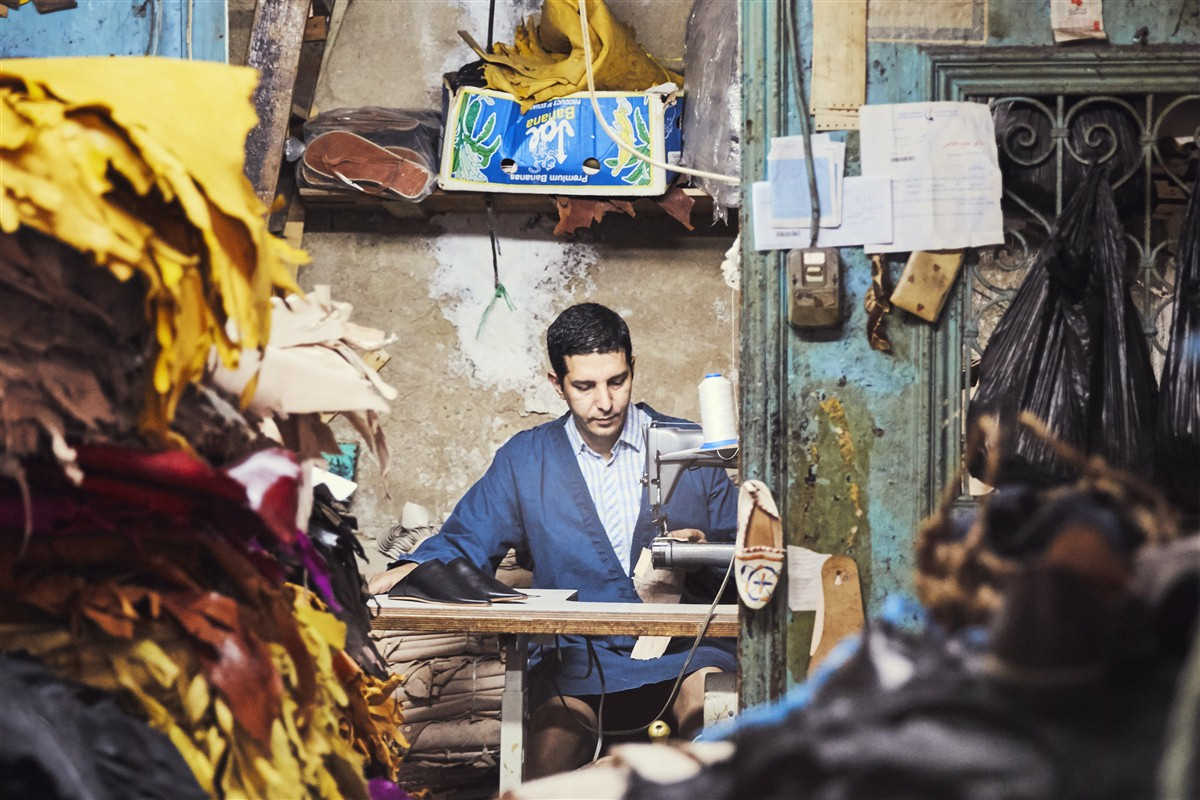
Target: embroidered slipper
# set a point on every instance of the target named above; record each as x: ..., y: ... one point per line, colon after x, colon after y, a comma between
x: 758, y: 550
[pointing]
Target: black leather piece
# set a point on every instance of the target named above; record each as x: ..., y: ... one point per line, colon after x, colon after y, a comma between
x: 479, y: 580
x: 434, y: 582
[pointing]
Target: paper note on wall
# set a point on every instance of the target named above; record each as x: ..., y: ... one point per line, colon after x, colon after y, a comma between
x: 787, y: 172
x: 866, y: 217
x: 804, y: 578
x: 1077, y: 19
x: 941, y: 158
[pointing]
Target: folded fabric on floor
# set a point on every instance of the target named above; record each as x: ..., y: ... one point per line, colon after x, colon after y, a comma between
x: 449, y: 692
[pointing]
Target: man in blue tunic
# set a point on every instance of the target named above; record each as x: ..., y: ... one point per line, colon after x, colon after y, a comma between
x: 568, y: 496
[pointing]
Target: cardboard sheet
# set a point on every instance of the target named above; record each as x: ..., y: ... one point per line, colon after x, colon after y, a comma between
x: 839, y: 70
x: 927, y: 21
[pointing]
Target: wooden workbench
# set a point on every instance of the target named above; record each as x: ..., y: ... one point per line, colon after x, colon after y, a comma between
x: 546, y: 612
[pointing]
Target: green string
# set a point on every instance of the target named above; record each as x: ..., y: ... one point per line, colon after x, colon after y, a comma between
x: 500, y: 291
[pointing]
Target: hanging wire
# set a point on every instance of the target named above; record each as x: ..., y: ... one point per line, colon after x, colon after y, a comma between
x: 802, y: 109
x: 499, y: 292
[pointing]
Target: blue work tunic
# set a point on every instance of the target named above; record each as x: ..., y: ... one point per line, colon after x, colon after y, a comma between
x: 533, y: 498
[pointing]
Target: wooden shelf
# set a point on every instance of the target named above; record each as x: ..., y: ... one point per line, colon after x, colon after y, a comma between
x: 441, y: 202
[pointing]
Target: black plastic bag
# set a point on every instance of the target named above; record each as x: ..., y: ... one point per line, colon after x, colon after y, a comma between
x: 1179, y: 415
x: 1070, y: 350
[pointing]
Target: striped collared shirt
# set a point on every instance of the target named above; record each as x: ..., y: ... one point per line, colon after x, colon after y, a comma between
x: 615, y: 483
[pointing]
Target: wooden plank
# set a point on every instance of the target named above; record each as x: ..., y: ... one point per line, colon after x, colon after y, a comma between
x: 763, y: 645
x: 628, y: 619
x: 316, y: 29
x: 274, y: 50
x: 49, y: 6
x: 513, y: 708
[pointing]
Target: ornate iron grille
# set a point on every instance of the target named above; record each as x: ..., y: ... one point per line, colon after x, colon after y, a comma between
x: 1057, y: 113
x: 1045, y: 144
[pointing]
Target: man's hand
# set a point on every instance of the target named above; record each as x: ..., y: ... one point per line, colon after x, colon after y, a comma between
x: 384, y: 581
x: 688, y: 535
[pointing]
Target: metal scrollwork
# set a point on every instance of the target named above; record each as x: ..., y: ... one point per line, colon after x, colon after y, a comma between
x: 1046, y: 143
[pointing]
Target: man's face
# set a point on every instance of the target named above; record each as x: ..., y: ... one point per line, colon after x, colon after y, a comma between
x: 597, y: 388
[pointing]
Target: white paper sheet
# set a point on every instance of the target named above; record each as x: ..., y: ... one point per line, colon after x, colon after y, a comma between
x: 787, y: 173
x: 339, y: 487
x: 804, y: 578
x: 866, y: 217
x: 945, y: 172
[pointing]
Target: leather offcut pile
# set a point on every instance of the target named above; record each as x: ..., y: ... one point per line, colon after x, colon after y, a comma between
x: 95, y: 156
x: 313, y: 365
x: 546, y: 58
x: 153, y: 544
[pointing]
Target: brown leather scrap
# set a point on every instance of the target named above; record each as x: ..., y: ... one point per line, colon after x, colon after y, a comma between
x: 878, y: 307
x: 678, y: 205
x: 580, y: 212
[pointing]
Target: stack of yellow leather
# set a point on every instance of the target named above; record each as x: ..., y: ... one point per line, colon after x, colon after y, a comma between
x: 120, y: 158
x: 128, y: 233
x: 546, y: 59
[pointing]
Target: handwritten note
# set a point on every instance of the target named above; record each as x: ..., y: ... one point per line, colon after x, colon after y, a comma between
x: 946, y: 184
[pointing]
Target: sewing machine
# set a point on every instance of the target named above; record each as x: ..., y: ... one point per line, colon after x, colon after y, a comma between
x: 672, y: 448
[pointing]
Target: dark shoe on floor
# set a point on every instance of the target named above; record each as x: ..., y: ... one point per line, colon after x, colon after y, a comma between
x: 434, y: 582
x: 483, y: 583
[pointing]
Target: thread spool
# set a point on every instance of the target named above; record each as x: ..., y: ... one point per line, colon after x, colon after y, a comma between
x: 716, y: 412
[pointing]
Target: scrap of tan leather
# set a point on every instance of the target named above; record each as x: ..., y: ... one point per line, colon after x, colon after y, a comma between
x: 926, y: 281
x: 546, y: 59
x: 843, y: 606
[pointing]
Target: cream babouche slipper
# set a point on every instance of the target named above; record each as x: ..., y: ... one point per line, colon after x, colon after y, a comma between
x: 758, y: 550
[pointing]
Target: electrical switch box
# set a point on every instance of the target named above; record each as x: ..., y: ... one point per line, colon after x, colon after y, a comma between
x: 814, y: 288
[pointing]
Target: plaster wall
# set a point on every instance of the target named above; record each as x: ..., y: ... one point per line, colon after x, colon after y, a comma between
x: 463, y: 395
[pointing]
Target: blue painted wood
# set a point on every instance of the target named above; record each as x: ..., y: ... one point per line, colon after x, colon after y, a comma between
x: 856, y: 426
x: 118, y: 28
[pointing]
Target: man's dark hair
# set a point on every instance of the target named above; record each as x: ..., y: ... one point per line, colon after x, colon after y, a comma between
x: 586, y: 328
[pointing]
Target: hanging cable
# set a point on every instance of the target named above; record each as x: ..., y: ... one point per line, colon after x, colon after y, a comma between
x: 189, y: 28
x: 599, y: 729
x: 585, y: 31
x: 498, y: 290
x: 814, y: 199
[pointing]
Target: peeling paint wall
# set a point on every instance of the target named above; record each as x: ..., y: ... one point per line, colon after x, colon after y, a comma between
x: 462, y: 394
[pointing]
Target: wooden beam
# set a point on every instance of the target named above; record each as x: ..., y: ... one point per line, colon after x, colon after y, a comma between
x: 275, y: 39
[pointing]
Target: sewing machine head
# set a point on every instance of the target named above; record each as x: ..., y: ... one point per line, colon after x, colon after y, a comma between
x: 671, y: 448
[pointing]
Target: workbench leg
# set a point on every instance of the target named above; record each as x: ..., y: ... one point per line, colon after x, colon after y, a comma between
x: 512, y: 711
